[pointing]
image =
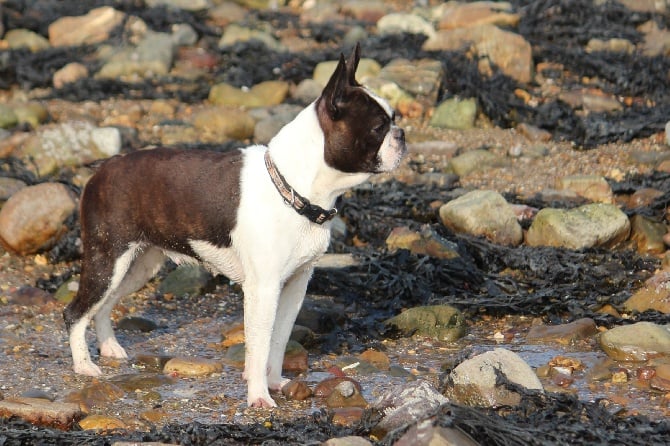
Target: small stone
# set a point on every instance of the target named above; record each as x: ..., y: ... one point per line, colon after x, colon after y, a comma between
x: 366, y: 68
x: 455, y: 114
x: 32, y: 113
x: 483, y: 213
x: 189, y: 280
x: 25, y: 38
x: 426, y: 242
x: 225, y: 122
x: 347, y: 441
x: 473, y: 382
x: 644, y: 197
x: 295, y: 358
x: 454, y: 15
x: 442, y: 322
x: 369, y: 11
x: 647, y: 234
x: 135, y: 323
x: 91, y: 28
x: 636, y: 342
x: 67, y: 291
x: 474, y: 160
x: 28, y: 296
x: 8, y: 118
x: 398, y: 22
x: 33, y: 219
x: 566, y: 334
x: 192, y: 367
x: 654, y: 295
x: 591, y: 225
x: 346, y: 394
x: 296, y: 390
x: 320, y: 315
x: 426, y: 433
x: 591, y: 187
x: 235, y: 33
x: 70, y: 73
x: 376, y: 358
x: 141, y: 381
x: 102, y: 423
x: 41, y: 412
x: 151, y: 362
x: 616, y: 45
x: 324, y: 388
x: 97, y: 394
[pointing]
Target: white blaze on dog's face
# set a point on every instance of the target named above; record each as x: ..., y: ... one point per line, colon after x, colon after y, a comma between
x: 360, y: 133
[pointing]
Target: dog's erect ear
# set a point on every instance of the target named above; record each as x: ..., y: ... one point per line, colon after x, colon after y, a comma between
x: 334, y: 93
x: 352, y: 65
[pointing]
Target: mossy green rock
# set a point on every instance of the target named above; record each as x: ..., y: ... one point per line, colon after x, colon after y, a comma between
x: 455, y: 114
x: 186, y: 279
x: 442, y: 322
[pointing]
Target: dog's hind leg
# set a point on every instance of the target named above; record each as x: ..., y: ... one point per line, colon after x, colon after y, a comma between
x: 290, y: 301
x: 145, y: 265
x: 101, y: 275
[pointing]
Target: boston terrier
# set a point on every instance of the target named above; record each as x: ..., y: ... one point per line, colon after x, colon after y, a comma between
x: 260, y: 215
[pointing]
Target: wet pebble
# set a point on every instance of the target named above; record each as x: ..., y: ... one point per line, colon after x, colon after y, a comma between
x: 648, y: 234
x: 483, y: 213
x: 566, y: 334
x: 151, y: 361
x: 91, y: 28
x: 424, y: 242
x: 96, y: 394
x: 324, y: 388
x: 406, y: 403
x: 636, y: 342
x: 442, y: 322
x: 102, y: 423
x: 184, y: 280
x: 346, y: 394
x: 8, y: 118
x: 42, y: 412
x: 428, y: 433
x: 136, y: 323
x: 455, y: 114
x: 379, y: 359
x: 591, y: 225
x: 192, y: 367
x: 141, y: 381
x: 347, y: 441
x: 296, y: 390
x: 473, y: 382
x: 28, y: 295
x: 33, y: 219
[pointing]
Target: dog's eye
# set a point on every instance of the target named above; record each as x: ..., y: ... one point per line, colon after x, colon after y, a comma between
x: 379, y: 128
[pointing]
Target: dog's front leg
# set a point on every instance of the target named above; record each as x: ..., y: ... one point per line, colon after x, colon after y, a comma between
x: 260, y: 308
x: 290, y: 301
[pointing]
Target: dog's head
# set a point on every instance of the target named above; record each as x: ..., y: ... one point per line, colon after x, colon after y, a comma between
x: 358, y: 126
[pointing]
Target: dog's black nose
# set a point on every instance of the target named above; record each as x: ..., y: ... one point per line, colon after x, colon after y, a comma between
x: 401, y: 134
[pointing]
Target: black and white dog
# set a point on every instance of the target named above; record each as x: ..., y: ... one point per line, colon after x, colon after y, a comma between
x: 259, y: 215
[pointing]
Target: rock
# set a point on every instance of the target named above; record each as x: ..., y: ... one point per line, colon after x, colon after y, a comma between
x: 473, y: 382
x: 102, y: 423
x: 425, y: 433
x: 426, y: 242
x: 405, y: 404
x: 507, y: 50
x: 295, y: 358
x: 347, y: 441
x: 28, y: 295
x: 461, y: 15
x: 296, y: 390
x: 365, y: 10
x: 320, y: 315
x: 647, y: 234
x: 7, y: 117
x: 398, y: 22
x: 71, y: 72
x: 324, y: 388
x: 366, y: 68
x: 636, y: 342
x: 591, y: 101
x: 592, y: 187
x: 307, y: 90
x: 69, y: 144
x: 91, y: 28
x: 473, y: 160
x: 656, y: 40
x: 151, y: 362
x: 346, y: 394
x: 25, y: 38
x: 644, y: 197
x: 186, y: 5
x: 226, y: 13
x: 225, y: 123
x: 33, y: 219
x: 235, y: 33
x: 32, y: 113
x: 455, y: 114
x: 97, y: 394
x: 9, y: 186
x: 587, y: 226
x: 616, y: 45
x: 654, y: 295
x: 483, y: 213
x: 41, y: 412
x: 67, y: 291
x: 192, y: 367
x: 336, y: 261
x: 534, y: 134
x: 135, y: 323
x: 267, y: 128
x: 379, y: 359
x: 442, y: 322
x: 264, y: 94
x: 141, y: 381
x: 186, y: 280
x: 566, y: 334
x: 153, y: 56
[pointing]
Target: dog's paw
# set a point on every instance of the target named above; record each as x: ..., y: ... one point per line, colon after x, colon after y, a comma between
x: 265, y: 402
x: 87, y: 368
x: 110, y: 348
